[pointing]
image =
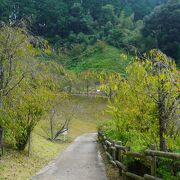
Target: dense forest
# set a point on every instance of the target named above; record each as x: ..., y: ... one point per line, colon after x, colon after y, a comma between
x: 130, y: 25
x: 126, y: 52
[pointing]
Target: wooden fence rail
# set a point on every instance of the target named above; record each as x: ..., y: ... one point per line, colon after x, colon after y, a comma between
x: 115, y: 152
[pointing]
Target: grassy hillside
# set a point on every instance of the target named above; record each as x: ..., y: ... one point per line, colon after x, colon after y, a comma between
x: 108, y: 58
x: 87, y: 114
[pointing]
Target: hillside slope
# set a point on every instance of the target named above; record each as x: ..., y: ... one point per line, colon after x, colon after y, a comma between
x: 109, y: 59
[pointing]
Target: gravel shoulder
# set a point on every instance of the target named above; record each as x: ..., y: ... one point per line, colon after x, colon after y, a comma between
x: 111, y: 171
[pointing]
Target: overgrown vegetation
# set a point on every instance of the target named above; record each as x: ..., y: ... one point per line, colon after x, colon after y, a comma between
x: 145, y: 106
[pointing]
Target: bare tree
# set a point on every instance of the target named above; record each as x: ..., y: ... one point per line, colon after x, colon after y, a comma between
x: 60, y: 117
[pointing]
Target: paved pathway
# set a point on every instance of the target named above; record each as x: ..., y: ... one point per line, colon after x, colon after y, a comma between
x: 81, y: 161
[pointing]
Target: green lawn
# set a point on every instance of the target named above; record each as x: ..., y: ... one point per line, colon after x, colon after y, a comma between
x: 87, y: 114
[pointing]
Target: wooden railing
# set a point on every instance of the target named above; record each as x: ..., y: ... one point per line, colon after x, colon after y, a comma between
x: 116, y: 152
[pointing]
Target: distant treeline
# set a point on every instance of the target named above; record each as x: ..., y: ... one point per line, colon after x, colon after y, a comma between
x: 124, y: 24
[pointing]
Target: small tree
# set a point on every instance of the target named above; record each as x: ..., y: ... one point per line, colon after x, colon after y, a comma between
x: 26, y: 85
x: 162, y: 84
x: 110, y: 83
x: 88, y: 78
x: 16, y: 52
x: 60, y: 116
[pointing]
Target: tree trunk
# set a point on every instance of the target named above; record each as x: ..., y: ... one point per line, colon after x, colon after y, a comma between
x: 110, y: 93
x: 162, y: 117
x: 1, y: 83
x: 24, y: 139
x: 87, y: 87
x: 21, y: 141
x: 51, y: 125
x: 61, y: 130
x: 51, y: 117
x: 162, y: 132
x: 29, y: 145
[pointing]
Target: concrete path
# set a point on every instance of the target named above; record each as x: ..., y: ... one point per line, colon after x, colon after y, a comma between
x: 81, y: 161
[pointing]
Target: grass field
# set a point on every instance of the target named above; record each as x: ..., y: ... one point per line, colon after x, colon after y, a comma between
x: 86, y: 113
x: 110, y: 59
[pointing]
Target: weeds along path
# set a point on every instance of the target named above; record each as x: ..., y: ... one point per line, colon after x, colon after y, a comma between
x: 81, y: 160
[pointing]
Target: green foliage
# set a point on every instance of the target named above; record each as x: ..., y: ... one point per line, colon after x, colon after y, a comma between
x: 100, y: 57
x: 126, y: 33
x: 163, y: 27
x: 140, y: 8
x: 118, y: 22
x: 107, y: 15
x: 58, y: 18
x: 136, y: 104
x: 26, y: 85
x: 165, y: 165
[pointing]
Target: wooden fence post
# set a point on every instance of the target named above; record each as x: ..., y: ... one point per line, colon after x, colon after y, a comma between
x: 113, y: 151
x: 119, y: 156
x: 119, y: 151
x: 109, y: 147
x: 104, y: 140
x: 104, y: 143
x: 153, y: 161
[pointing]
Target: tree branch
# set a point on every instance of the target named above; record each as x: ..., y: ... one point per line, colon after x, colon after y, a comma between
x: 23, y: 75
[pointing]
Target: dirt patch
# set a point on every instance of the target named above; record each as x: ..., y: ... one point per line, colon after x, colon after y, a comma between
x: 111, y: 171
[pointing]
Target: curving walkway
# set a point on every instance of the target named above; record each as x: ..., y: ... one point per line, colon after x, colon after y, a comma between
x: 81, y: 161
